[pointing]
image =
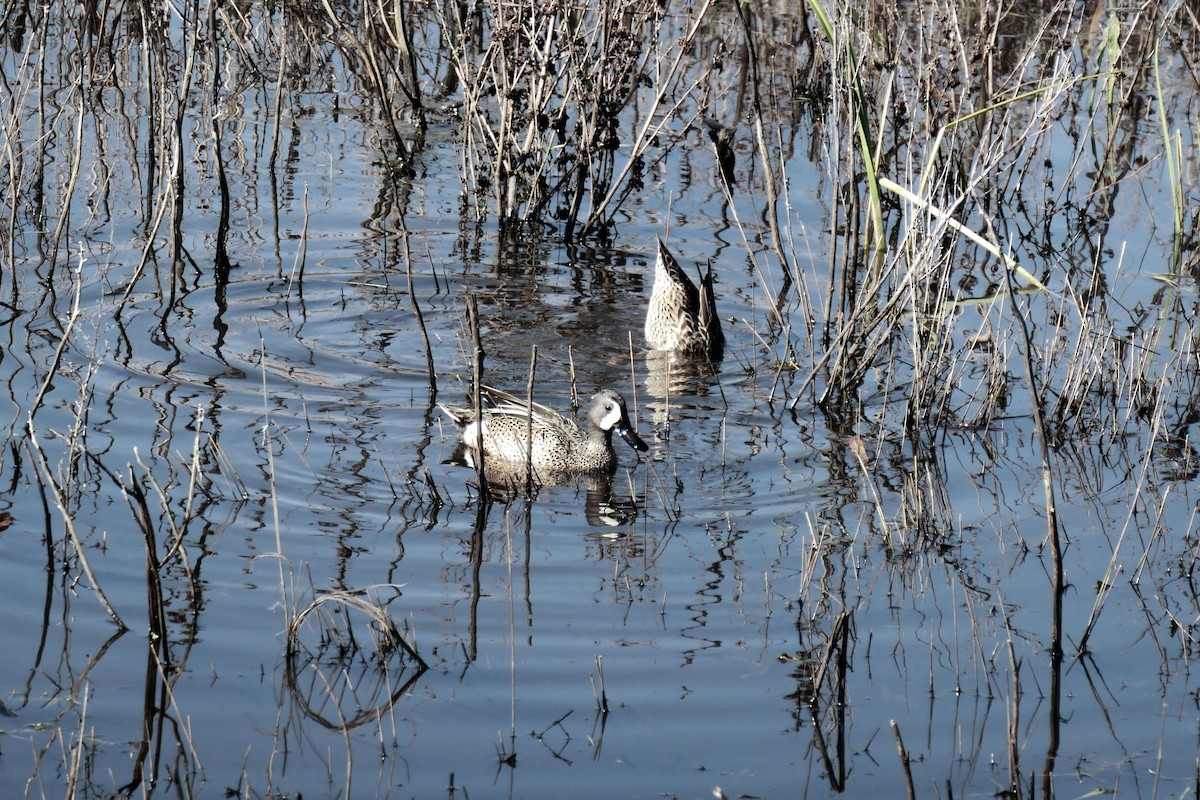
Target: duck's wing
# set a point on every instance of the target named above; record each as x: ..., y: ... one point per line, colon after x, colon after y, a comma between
x: 498, y: 401
x: 491, y: 401
x: 459, y: 416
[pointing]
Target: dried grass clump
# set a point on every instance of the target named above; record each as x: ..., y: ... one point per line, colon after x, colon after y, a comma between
x: 545, y: 89
x: 946, y: 213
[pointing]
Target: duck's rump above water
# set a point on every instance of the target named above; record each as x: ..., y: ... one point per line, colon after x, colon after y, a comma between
x: 681, y: 317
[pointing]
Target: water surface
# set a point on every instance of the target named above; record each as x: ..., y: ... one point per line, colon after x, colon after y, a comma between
x: 772, y: 600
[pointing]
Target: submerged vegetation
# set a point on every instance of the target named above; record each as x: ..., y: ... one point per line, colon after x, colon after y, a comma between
x: 970, y: 168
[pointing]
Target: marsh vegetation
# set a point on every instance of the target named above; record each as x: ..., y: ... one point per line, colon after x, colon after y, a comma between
x: 925, y: 526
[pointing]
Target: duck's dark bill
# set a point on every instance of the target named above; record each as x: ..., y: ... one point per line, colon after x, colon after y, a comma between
x: 635, y: 441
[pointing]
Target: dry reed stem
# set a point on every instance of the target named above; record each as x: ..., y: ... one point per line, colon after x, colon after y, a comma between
x: 905, y: 762
x: 46, y: 477
x: 598, y: 690
x: 529, y: 485
x: 477, y: 359
x: 416, y: 307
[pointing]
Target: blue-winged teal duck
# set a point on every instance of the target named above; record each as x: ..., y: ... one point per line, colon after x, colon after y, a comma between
x: 559, y: 448
x: 681, y: 317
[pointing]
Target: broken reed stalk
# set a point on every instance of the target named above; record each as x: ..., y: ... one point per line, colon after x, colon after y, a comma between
x: 297, y: 276
x: 838, y: 640
x: 1014, y: 717
x: 221, y: 244
x: 162, y: 662
x: 477, y: 402
x: 431, y: 373
x: 142, y: 511
x: 774, y: 298
x: 68, y: 192
x: 288, y: 599
x: 529, y: 422
x: 571, y: 377
x: 193, y: 476
x: 277, y: 111
x: 56, y: 361
x: 905, y: 761
x: 46, y: 480
x: 597, y: 679
x: 632, y: 373
x: 178, y: 184
x: 77, y: 750
x: 858, y: 450
x: 159, y: 664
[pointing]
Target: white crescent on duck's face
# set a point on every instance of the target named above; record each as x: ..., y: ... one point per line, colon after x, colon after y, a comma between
x: 611, y: 418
